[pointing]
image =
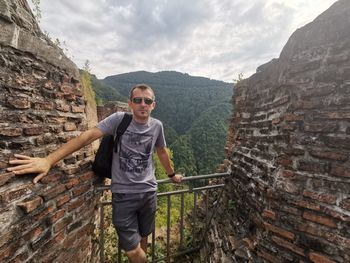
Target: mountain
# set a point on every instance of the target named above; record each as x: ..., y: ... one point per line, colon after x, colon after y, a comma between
x: 193, y: 110
x: 180, y: 98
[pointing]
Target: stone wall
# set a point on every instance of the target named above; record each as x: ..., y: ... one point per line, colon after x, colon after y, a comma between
x: 289, y: 196
x: 111, y: 107
x: 42, y: 106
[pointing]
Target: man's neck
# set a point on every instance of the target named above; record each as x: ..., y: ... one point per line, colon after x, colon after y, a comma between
x: 140, y: 121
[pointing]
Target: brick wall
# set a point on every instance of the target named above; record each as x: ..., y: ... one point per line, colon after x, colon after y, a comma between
x: 42, y: 106
x: 289, y: 196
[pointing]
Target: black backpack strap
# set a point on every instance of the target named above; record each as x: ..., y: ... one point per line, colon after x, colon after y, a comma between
x: 124, y: 124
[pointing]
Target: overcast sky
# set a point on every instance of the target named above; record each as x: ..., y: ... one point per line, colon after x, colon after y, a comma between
x: 217, y: 39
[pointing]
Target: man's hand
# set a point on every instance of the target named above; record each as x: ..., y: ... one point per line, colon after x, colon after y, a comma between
x: 177, y: 178
x: 25, y: 164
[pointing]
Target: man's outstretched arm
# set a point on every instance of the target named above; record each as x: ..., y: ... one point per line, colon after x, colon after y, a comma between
x: 165, y: 161
x: 25, y: 164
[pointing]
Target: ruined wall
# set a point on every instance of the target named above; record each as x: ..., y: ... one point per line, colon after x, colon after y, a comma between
x: 41, y: 107
x: 111, y: 107
x: 289, y: 196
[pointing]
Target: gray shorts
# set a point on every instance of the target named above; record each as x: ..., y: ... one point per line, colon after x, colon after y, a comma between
x: 133, y: 217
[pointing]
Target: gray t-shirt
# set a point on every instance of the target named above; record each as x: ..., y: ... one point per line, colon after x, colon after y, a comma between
x: 132, y: 166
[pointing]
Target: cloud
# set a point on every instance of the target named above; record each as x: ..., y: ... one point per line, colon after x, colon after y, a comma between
x: 211, y: 38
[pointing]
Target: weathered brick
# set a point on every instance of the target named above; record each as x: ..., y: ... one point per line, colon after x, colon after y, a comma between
x: 322, y: 197
x: 345, y: 204
x: 337, y: 115
x: 22, y: 257
x: 292, y: 117
x: 10, y: 132
x: 62, y: 107
x: 74, y: 226
x: 43, y: 213
x: 76, y: 203
x: 288, y: 245
x: 4, y: 178
x: 280, y: 231
x: 30, y: 204
x: 318, y: 258
x: 85, y: 230
x: 307, y: 104
x: 18, y: 102
x: 70, y: 126
x: 81, y: 189
x: 320, y: 127
x: 62, y: 224
x: 307, y: 204
x: 63, y: 199
x: 33, y: 234
x: 53, y: 192
x: 36, y: 244
x: 51, y: 178
x: 339, y: 142
x: 71, y: 170
x: 329, y: 155
x: 315, y: 167
x: 8, y: 250
x: 319, y: 219
x: 340, y: 170
x: 78, y: 109
x: 56, y: 216
x: 43, y: 105
x: 87, y: 176
x: 72, y: 182
x: 66, y: 88
x: 337, y: 239
x: 269, y: 214
x: 70, y: 97
x: 284, y: 161
x: 36, y: 130
x: 19, y: 191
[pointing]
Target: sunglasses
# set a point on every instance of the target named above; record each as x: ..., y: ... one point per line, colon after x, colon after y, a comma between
x: 138, y: 100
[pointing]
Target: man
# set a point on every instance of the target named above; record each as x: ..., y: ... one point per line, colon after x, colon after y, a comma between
x: 133, y: 181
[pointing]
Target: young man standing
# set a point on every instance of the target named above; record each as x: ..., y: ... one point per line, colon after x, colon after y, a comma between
x: 133, y: 180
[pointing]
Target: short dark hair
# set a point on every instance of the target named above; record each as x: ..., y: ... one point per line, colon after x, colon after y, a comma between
x: 141, y: 87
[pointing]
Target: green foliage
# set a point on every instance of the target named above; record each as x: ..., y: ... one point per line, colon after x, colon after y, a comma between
x: 105, y: 93
x: 170, y: 134
x: 89, y: 94
x: 184, y: 159
x: 36, y: 10
x: 202, y: 148
x: 238, y: 79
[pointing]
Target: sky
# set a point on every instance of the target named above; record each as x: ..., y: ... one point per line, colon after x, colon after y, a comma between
x: 217, y: 39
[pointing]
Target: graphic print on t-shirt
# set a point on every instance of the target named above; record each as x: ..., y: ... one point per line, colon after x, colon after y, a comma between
x: 135, y: 152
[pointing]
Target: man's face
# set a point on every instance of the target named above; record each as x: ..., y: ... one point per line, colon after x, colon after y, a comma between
x: 142, y: 104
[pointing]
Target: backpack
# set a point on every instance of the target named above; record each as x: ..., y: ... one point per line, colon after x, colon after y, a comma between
x: 102, y: 165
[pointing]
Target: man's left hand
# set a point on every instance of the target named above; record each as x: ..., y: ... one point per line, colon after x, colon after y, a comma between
x: 177, y: 178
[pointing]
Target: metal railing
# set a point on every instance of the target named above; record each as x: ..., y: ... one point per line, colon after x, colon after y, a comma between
x: 191, y: 189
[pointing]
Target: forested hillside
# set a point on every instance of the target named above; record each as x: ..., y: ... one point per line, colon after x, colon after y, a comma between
x: 194, y: 111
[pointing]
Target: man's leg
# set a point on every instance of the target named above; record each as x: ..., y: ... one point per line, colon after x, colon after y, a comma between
x: 144, y: 244
x: 137, y: 255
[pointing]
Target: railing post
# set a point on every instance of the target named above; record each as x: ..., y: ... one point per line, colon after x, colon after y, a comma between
x: 194, y: 215
x: 153, y: 242
x: 168, y: 230
x: 119, y: 252
x: 102, y: 239
x: 182, y: 220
